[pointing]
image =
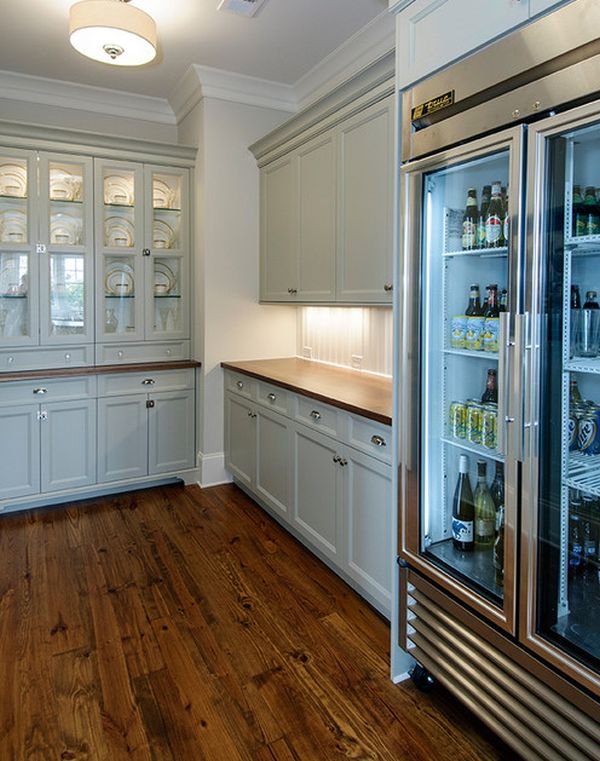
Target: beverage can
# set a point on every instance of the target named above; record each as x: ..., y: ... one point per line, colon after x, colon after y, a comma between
x: 491, y: 331
x: 576, y: 412
x: 588, y: 433
x: 474, y: 423
x: 474, y: 333
x: 458, y: 332
x: 458, y: 420
x: 490, y: 426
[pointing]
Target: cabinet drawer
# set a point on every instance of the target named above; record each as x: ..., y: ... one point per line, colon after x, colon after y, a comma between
x: 50, y: 390
x: 317, y: 415
x: 114, y: 354
x: 370, y: 437
x: 139, y: 383
x: 46, y: 358
x: 241, y: 384
x: 273, y: 397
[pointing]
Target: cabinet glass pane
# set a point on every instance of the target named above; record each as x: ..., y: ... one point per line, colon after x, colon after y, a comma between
x: 464, y: 260
x: 119, y: 203
x: 166, y: 210
x: 166, y: 286
x: 119, y: 294
x: 13, y: 200
x: 66, y: 195
x: 14, y: 294
x: 67, y: 294
x: 568, y: 590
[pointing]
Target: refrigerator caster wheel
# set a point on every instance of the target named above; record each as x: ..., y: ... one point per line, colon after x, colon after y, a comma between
x: 422, y: 678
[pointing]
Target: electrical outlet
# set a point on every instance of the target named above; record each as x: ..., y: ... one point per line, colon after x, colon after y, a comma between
x: 307, y: 352
x: 357, y: 361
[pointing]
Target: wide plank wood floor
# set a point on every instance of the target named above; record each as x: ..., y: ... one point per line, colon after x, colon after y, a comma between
x: 179, y: 624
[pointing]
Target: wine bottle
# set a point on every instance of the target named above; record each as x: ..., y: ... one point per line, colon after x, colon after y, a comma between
x: 485, y: 510
x: 463, y: 509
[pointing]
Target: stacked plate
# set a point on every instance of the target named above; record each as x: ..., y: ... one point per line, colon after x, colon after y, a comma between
x: 13, y: 180
x: 13, y: 226
x: 118, y: 190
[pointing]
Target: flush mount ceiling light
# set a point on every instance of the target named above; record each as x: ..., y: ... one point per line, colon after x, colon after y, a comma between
x: 111, y: 31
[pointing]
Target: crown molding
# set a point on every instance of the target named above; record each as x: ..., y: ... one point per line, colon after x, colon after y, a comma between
x: 24, y: 87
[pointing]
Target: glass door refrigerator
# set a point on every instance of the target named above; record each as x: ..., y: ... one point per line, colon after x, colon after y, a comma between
x: 499, y: 384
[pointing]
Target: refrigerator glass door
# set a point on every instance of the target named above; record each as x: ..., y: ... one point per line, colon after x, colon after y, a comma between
x: 563, y: 467
x: 462, y: 246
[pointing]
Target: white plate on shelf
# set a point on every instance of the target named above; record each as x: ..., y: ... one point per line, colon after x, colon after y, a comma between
x: 164, y: 279
x: 13, y: 180
x: 64, y: 186
x: 163, y: 195
x: 65, y: 230
x: 119, y: 279
x: 13, y: 226
x: 118, y: 190
x: 118, y: 233
x: 163, y: 235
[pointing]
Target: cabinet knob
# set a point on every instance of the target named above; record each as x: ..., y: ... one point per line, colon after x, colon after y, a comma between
x: 315, y: 415
x: 150, y: 404
x: 292, y: 290
x: 120, y: 354
x: 168, y: 352
x: 145, y: 252
x: 40, y: 391
x: 337, y: 458
x: 251, y: 414
x: 240, y: 384
x: 343, y: 462
x: 148, y: 382
x: 271, y: 397
x: 68, y: 356
x: 10, y: 360
x: 379, y: 441
x: 42, y: 415
x: 388, y: 287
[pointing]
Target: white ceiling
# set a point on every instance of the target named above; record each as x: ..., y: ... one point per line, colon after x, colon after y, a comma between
x: 281, y: 43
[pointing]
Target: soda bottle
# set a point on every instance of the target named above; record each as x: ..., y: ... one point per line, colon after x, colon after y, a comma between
x: 491, y: 389
x: 579, y: 221
x: 491, y: 307
x: 494, y: 236
x: 503, y: 304
x: 463, y: 509
x: 591, y: 211
x: 470, y: 221
x: 485, y: 202
x: 575, y: 546
x: 499, y: 549
x: 474, y: 308
x: 485, y: 510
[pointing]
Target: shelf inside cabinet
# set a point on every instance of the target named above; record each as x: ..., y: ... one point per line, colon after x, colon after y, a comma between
x: 589, y: 365
x: 481, y: 253
x: 585, y: 245
x: 584, y: 472
x: 14, y: 296
x: 119, y: 205
x: 12, y: 198
x: 167, y: 296
x: 66, y: 202
x: 476, y: 566
x: 477, y: 449
x: 117, y: 296
x: 166, y: 208
x: 493, y: 355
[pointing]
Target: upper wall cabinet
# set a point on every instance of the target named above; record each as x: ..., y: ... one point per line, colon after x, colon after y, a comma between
x: 432, y: 33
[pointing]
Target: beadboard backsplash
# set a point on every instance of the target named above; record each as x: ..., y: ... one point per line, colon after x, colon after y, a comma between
x: 352, y: 337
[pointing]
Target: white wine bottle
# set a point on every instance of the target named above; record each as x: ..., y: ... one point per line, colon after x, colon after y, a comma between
x: 463, y: 509
x: 485, y: 509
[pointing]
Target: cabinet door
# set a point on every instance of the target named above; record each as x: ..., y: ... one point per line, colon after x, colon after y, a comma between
x: 122, y: 438
x: 316, y: 489
x: 317, y: 219
x: 68, y: 445
x: 279, y: 231
x: 367, y: 502
x: 171, y: 430
x: 19, y: 451
x: 366, y: 199
x: 240, y: 440
x: 432, y: 33
x: 273, y: 461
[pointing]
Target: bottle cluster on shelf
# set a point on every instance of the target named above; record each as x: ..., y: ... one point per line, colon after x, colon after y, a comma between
x: 478, y: 328
x: 486, y: 226
x: 478, y: 518
x: 584, y: 422
x: 584, y: 546
x: 585, y: 211
x: 585, y: 324
x: 476, y: 421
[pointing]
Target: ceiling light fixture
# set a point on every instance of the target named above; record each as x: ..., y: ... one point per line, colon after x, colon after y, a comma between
x: 111, y: 31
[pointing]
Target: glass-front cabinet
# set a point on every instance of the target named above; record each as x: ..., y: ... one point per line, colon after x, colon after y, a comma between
x: 461, y: 484
x: 562, y: 470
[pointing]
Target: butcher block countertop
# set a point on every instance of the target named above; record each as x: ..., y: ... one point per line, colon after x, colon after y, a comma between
x: 351, y: 390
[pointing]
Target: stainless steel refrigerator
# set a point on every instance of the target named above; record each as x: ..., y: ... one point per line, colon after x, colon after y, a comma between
x: 510, y: 622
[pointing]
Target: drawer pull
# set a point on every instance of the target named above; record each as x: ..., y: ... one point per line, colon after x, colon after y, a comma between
x: 379, y: 441
x: 315, y: 415
x: 40, y: 391
x: 240, y: 384
x: 148, y: 382
x: 68, y: 356
x: 271, y: 397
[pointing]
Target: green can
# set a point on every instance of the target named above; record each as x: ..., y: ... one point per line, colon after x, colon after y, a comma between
x: 490, y: 426
x: 474, y: 423
x: 458, y: 420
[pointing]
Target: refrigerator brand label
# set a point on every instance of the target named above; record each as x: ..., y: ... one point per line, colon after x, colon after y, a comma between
x: 433, y: 105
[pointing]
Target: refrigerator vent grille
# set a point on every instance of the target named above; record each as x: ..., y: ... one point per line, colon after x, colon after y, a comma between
x: 527, y: 714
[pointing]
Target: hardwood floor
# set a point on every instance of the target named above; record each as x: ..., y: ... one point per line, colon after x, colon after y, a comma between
x: 185, y: 625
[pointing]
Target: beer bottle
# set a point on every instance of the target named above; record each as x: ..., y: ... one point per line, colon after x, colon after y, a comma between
x: 491, y: 307
x: 503, y: 305
x: 575, y: 297
x: 499, y: 549
x: 474, y: 308
x: 494, y: 236
x: 485, y: 510
x: 491, y: 389
x: 485, y: 202
x: 579, y: 221
x: 470, y: 220
x: 463, y: 509
x: 574, y: 395
x: 592, y: 213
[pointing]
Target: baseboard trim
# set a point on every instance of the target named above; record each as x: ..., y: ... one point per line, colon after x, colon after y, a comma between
x: 212, y: 471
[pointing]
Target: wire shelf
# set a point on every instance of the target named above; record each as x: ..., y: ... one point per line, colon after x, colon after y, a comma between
x: 584, y: 473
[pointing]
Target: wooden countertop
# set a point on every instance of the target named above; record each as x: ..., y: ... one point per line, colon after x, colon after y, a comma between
x: 71, y: 372
x: 367, y: 395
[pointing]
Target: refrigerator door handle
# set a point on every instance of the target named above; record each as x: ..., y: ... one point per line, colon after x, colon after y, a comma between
x: 504, y: 345
x: 522, y: 381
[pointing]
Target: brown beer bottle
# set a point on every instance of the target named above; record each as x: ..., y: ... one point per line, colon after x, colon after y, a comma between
x: 494, y: 223
x: 474, y: 309
x: 491, y: 308
x: 485, y: 202
x: 470, y: 220
x: 491, y: 389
